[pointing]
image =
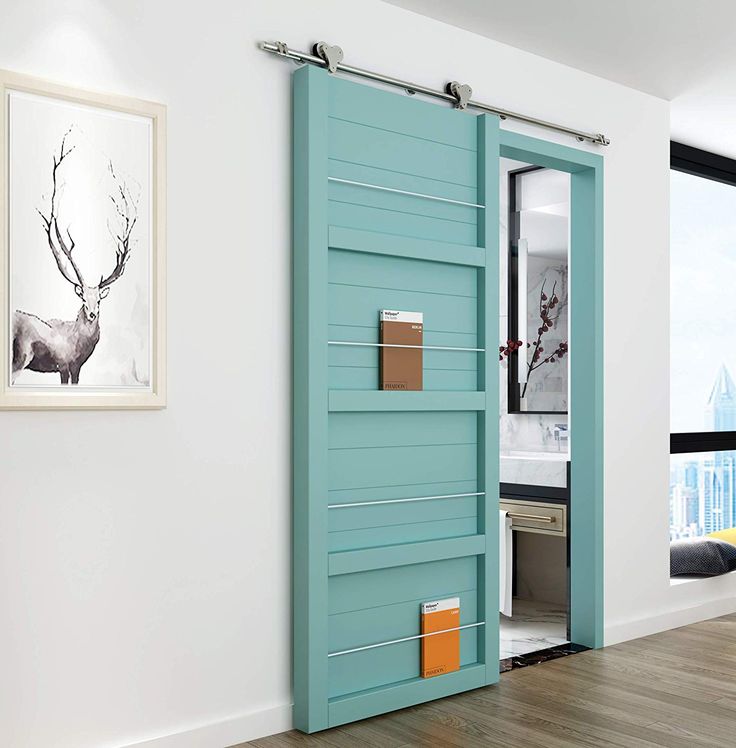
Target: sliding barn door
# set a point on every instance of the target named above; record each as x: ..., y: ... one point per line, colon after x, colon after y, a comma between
x: 395, y: 493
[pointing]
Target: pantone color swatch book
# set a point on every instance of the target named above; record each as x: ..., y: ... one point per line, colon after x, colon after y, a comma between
x: 441, y: 652
x: 401, y: 367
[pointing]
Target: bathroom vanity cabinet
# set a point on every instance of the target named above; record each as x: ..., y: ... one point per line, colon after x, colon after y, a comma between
x: 541, y: 563
x: 536, y: 516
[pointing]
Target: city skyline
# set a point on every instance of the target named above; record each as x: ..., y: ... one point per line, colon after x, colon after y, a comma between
x: 703, y: 487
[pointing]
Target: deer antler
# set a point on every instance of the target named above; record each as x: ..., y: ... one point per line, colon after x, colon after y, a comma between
x: 63, y: 252
x: 127, y: 212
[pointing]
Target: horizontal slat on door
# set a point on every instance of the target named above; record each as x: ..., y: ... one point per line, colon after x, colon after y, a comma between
x: 347, y: 378
x: 366, y: 559
x: 396, y: 180
x: 373, y: 701
x: 366, y: 145
x: 442, y: 312
x: 381, y: 466
x: 410, y: 532
x: 404, y: 224
x: 405, y: 246
x: 399, y: 429
x: 431, y: 581
x: 402, y: 274
x: 376, y: 400
x: 414, y: 117
x: 356, y: 628
x: 370, y: 195
x: 380, y: 493
x: 344, y: 519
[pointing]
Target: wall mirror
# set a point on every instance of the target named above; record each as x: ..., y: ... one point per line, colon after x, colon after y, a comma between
x: 538, y: 250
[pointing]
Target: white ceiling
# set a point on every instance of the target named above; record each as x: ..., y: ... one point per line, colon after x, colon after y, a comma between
x: 680, y: 50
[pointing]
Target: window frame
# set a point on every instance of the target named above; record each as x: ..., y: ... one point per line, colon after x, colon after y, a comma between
x: 700, y: 163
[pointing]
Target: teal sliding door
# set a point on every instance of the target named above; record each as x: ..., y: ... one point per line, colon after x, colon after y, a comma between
x: 395, y: 493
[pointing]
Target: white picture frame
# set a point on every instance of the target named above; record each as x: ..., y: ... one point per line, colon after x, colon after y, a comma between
x: 73, y: 164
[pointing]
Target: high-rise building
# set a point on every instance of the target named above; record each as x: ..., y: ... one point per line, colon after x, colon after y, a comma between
x: 718, y: 497
x: 719, y: 478
x: 720, y: 412
x: 684, y: 509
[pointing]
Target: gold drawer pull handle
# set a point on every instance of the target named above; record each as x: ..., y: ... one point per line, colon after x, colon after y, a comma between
x: 535, y: 517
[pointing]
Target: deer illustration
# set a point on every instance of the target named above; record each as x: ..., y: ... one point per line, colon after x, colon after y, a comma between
x: 56, y: 345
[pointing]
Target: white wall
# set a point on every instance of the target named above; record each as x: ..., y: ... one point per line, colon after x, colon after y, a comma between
x: 144, y: 557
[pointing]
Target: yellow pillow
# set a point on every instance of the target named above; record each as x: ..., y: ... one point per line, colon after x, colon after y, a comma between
x: 728, y: 535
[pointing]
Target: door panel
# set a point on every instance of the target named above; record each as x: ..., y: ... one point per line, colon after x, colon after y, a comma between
x: 362, y: 569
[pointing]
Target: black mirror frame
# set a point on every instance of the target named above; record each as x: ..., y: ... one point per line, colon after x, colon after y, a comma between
x: 514, y: 228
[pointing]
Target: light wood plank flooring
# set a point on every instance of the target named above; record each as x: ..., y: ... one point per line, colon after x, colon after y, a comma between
x: 676, y: 689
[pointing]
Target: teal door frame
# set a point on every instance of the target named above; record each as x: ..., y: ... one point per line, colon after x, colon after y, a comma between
x: 586, y: 373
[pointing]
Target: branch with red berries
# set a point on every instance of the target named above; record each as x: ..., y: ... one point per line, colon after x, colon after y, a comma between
x: 504, y: 351
x: 546, y: 306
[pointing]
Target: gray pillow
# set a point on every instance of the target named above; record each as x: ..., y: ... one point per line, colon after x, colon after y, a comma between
x: 704, y: 556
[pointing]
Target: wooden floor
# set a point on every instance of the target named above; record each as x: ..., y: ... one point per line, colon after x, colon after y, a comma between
x: 675, y: 689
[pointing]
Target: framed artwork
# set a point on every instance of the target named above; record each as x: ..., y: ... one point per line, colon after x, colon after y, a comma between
x: 82, y: 248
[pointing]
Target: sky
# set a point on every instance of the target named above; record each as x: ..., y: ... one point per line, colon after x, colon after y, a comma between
x: 702, y: 293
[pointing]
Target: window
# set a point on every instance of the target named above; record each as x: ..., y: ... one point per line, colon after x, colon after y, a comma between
x: 702, y: 342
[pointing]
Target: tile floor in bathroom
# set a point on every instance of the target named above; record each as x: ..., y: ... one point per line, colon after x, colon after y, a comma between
x: 534, y: 625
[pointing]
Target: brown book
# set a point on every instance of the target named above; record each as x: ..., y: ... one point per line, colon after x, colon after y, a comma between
x: 401, y: 368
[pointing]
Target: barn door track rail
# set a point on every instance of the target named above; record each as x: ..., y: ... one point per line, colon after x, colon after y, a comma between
x: 458, y: 94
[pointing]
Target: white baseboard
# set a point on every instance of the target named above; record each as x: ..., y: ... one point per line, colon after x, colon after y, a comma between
x: 226, y: 733
x: 628, y: 630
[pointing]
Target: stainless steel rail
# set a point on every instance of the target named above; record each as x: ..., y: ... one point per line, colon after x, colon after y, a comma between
x: 281, y: 49
x: 404, y: 192
x: 405, y: 501
x: 405, y: 639
x: 397, y: 345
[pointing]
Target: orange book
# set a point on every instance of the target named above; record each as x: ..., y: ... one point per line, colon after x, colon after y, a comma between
x: 441, y: 652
